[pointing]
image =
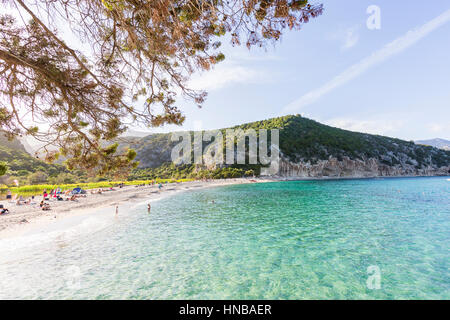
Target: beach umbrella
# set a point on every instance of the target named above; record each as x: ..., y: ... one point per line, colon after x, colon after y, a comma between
x: 76, y: 190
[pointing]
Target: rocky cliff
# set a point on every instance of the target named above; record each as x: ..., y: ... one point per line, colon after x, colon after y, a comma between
x: 348, y: 168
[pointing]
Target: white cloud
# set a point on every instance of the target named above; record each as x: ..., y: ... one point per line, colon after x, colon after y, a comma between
x: 390, y: 49
x: 242, y: 54
x: 224, y: 75
x: 378, y: 126
x: 439, y: 128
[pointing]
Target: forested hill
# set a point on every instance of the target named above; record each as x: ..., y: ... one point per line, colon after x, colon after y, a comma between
x: 308, y: 149
x: 313, y: 146
x: 303, y: 139
x: 23, y: 166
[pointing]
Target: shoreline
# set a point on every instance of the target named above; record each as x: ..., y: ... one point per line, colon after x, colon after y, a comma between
x: 12, y: 225
x: 327, y: 178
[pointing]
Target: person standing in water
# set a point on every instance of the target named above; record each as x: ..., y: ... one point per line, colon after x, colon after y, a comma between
x: 149, y: 208
x: 117, y: 211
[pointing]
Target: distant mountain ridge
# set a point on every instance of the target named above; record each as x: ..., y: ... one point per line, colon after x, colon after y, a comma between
x: 437, y: 143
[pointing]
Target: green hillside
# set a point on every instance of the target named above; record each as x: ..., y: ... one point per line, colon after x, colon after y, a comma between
x: 306, y: 140
x: 301, y: 141
x: 21, y: 165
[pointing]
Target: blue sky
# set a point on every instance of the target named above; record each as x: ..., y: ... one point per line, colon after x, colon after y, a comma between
x: 394, y: 81
x: 400, y: 92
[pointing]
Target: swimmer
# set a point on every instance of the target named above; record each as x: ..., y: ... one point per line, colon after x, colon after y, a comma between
x: 149, y: 208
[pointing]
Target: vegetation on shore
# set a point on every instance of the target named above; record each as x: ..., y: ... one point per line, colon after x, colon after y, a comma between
x: 28, y: 170
x: 191, y: 171
x: 301, y: 141
x: 29, y: 190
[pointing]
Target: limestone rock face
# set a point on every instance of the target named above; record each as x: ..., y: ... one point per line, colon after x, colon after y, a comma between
x: 333, y: 168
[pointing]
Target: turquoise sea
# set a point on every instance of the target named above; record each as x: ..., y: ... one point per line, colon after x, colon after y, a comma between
x: 284, y: 240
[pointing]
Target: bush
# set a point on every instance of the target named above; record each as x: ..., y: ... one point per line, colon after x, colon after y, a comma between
x: 38, y: 177
x: 63, y: 178
x: 3, y: 168
x: 249, y: 173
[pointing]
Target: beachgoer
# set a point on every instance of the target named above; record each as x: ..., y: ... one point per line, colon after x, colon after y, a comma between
x: 3, y: 210
x: 20, y: 201
x: 44, y: 206
x: 117, y: 210
x: 149, y: 208
x: 8, y: 195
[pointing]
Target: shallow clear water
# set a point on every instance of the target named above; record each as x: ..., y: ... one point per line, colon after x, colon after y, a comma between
x: 286, y: 240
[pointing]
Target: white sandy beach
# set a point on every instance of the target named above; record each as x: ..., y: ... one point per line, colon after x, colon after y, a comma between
x: 24, y: 219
